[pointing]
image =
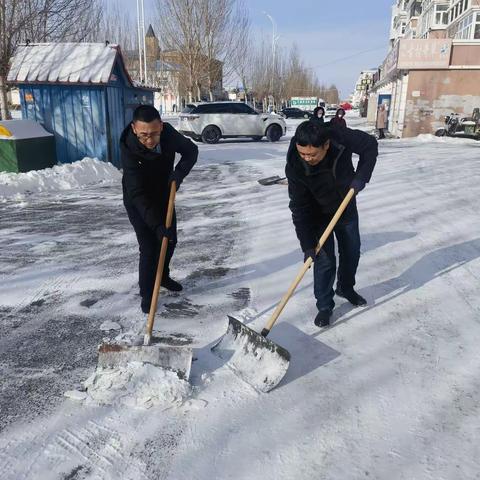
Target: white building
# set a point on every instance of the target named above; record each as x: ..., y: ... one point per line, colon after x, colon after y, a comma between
x: 364, y: 82
x: 398, y: 22
x: 464, y: 20
x: 433, y: 21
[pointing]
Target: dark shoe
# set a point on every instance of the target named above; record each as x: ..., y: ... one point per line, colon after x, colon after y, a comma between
x: 145, y: 305
x: 171, y: 285
x: 352, y: 296
x: 323, y: 318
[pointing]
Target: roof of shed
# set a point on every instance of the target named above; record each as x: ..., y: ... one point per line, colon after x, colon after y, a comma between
x: 64, y: 63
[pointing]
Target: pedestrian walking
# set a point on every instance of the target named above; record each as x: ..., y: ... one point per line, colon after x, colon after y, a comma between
x: 339, y: 118
x: 318, y: 115
x: 382, y: 117
x: 320, y: 172
x: 148, y: 148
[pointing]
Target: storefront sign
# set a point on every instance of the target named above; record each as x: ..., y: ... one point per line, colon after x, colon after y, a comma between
x: 390, y: 63
x: 424, y: 53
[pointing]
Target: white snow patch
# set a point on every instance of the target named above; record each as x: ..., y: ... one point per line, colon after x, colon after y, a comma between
x: 75, y: 395
x: 108, y: 325
x: 89, y: 171
x: 138, y: 385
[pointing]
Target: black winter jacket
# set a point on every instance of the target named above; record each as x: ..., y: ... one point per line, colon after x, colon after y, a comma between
x: 316, y: 192
x: 146, y: 173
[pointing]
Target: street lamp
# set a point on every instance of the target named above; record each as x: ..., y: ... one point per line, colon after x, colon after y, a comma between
x: 274, y: 39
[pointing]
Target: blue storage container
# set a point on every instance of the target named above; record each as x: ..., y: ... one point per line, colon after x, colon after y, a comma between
x: 80, y: 92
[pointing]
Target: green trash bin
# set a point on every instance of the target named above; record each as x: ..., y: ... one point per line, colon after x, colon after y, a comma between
x: 25, y: 145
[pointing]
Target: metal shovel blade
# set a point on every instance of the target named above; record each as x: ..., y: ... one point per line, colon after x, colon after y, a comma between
x: 255, y: 359
x: 271, y: 180
x: 176, y: 359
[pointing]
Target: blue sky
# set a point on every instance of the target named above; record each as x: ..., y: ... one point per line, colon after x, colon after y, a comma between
x: 326, y: 31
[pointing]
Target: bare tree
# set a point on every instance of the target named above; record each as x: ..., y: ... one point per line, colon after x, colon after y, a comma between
x: 41, y: 21
x: 115, y: 26
x: 203, y: 35
x: 224, y: 24
x: 241, y: 57
x: 180, y: 24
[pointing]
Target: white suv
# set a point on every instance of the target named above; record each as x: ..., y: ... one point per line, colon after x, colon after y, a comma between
x: 209, y: 122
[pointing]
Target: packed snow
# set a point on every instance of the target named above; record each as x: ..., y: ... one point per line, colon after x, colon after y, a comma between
x: 389, y: 391
x: 137, y: 385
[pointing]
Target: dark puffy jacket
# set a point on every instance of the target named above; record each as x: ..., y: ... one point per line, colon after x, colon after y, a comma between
x: 316, y: 192
x: 146, y: 173
x: 338, y: 121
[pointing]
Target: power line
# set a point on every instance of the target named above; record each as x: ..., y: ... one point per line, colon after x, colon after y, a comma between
x: 346, y: 58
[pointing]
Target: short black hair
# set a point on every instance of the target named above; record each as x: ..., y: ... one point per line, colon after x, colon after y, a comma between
x: 146, y: 113
x: 317, y: 109
x: 312, y: 133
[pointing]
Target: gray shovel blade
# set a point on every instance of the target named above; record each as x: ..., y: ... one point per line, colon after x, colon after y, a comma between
x: 176, y: 359
x: 271, y: 180
x: 255, y: 359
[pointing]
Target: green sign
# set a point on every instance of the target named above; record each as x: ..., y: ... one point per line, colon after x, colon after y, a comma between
x: 305, y: 103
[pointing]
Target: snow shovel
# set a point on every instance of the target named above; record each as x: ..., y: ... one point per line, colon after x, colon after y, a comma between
x: 175, y: 358
x: 254, y: 358
x: 271, y: 180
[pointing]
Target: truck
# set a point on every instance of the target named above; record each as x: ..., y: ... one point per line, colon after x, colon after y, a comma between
x: 304, y: 103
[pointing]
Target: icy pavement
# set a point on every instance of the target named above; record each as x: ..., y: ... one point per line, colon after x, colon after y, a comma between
x: 390, y: 391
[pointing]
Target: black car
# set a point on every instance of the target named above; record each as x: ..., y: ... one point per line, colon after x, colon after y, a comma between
x: 293, y: 112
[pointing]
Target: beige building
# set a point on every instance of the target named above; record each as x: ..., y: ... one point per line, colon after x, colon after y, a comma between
x: 433, y: 69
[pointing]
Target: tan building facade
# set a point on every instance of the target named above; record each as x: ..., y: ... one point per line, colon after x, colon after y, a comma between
x: 423, y: 79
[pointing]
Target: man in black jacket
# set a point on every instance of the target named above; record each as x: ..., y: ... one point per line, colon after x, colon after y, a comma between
x: 320, y: 172
x: 148, y: 148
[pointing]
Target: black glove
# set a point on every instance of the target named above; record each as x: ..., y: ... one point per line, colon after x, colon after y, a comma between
x: 177, y: 177
x: 309, y: 253
x: 163, y: 231
x: 358, y: 185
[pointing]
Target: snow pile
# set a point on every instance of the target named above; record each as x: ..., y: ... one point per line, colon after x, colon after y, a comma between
x: 88, y: 171
x: 138, y: 385
x: 429, y: 138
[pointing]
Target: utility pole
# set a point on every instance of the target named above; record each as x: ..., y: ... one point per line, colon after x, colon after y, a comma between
x: 144, y: 46
x: 139, y: 38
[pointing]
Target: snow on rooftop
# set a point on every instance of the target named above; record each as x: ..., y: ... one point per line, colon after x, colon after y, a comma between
x: 63, y: 62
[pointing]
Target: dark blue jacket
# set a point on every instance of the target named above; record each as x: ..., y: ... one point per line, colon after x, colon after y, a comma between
x: 316, y: 192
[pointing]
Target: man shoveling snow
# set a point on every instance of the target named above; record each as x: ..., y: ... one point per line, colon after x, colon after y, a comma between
x: 320, y: 172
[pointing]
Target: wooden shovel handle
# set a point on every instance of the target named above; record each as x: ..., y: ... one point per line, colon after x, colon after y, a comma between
x: 161, y: 261
x: 307, y: 263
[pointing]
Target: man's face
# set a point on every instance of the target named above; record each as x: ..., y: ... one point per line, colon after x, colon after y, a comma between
x: 313, y: 155
x: 148, y: 134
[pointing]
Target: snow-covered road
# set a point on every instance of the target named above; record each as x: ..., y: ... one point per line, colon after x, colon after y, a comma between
x: 390, y: 391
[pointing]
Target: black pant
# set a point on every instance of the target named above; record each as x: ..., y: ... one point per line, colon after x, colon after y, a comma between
x: 381, y: 133
x: 149, y: 246
x: 348, y: 240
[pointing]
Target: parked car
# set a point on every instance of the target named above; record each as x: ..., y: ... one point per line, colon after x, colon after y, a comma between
x: 209, y: 122
x: 294, y: 112
x: 330, y: 111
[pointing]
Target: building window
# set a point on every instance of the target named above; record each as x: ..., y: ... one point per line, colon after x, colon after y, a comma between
x: 441, y: 15
x: 465, y: 27
x: 415, y: 9
x: 476, y: 33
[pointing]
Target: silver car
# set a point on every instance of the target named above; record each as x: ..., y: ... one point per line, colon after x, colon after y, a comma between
x: 209, y: 122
